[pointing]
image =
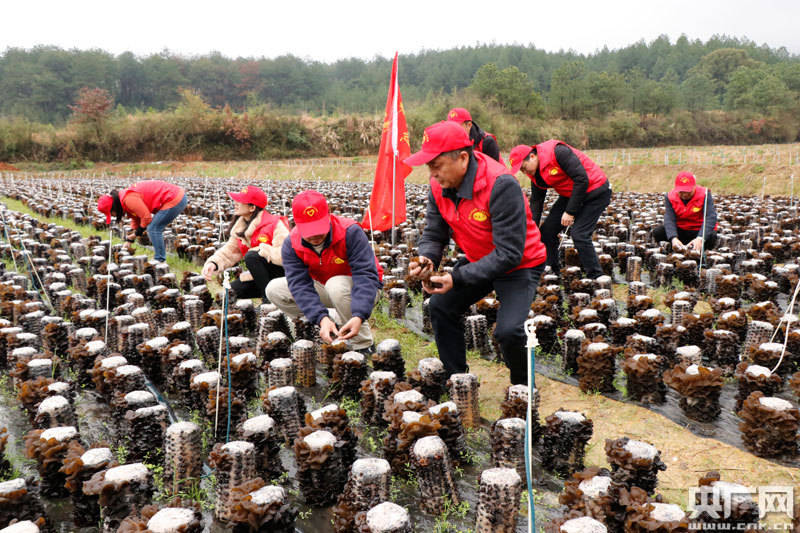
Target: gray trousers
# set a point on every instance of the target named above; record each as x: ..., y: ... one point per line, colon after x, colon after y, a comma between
x: 335, y: 293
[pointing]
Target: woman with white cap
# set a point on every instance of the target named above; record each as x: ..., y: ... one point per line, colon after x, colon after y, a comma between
x: 256, y: 236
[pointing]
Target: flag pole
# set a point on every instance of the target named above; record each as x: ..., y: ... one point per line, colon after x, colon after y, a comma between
x: 395, y: 89
x: 394, y: 192
x: 371, y: 231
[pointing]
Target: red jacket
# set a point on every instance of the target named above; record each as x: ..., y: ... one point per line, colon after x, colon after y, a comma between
x: 155, y: 195
x: 688, y: 216
x: 263, y: 232
x: 333, y: 260
x: 555, y: 177
x: 471, y: 221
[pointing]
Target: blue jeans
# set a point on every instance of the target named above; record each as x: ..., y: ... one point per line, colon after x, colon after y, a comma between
x: 155, y: 230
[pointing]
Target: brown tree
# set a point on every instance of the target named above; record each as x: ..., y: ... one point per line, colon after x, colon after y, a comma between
x: 92, y: 107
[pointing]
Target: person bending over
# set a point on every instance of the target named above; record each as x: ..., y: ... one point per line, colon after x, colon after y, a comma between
x: 151, y: 204
x: 474, y: 199
x: 583, y: 190
x: 482, y: 141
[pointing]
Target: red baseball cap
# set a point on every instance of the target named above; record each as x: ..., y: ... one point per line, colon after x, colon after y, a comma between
x: 685, y: 181
x: 250, y: 195
x: 517, y: 156
x: 444, y: 136
x: 459, y: 114
x: 104, y: 204
x: 311, y: 216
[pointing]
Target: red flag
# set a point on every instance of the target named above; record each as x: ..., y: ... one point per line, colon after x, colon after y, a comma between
x: 390, y: 169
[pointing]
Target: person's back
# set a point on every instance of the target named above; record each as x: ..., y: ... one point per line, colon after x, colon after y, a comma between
x: 583, y: 190
x: 151, y: 205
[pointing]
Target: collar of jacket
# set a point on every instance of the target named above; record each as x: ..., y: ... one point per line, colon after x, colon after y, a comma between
x: 242, y: 226
x: 467, y: 184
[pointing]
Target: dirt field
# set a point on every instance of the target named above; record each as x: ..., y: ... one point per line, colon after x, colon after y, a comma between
x: 724, y: 169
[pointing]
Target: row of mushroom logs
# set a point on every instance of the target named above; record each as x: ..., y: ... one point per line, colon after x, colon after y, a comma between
x: 596, y: 501
x: 466, y: 409
x: 122, y: 490
x: 699, y: 387
x: 118, y: 382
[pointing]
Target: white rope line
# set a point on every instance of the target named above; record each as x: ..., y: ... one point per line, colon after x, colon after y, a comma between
x: 226, y: 284
x: 108, y: 281
x: 563, y: 236
x: 8, y: 237
x: 35, y: 272
x: 789, y: 319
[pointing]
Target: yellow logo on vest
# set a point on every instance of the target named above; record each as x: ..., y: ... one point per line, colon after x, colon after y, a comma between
x: 310, y: 211
x: 338, y: 260
x: 695, y: 209
x: 263, y: 238
x: 553, y: 171
x: 479, y: 215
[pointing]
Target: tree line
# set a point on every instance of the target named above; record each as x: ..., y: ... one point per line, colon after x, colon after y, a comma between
x: 725, y: 90
x: 651, y: 78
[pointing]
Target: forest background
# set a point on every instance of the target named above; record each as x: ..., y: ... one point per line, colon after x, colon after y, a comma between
x: 79, y: 106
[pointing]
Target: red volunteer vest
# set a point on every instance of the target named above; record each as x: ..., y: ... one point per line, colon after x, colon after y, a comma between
x: 154, y: 193
x: 690, y: 215
x: 263, y: 232
x: 333, y: 260
x: 479, y: 145
x: 471, y: 221
x: 554, y: 175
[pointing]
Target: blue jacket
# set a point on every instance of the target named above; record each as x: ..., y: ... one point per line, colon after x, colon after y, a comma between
x: 366, y: 282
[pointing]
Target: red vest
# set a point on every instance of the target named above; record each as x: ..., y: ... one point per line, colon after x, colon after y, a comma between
x: 555, y: 177
x: 155, y: 193
x: 333, y: 260
x: 690, y: 215
x: 479, y: 145
x: 263, y: 232
x: 471, y: 221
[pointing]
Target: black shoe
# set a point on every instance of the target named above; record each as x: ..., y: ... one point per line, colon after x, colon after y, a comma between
x: 369, y: 350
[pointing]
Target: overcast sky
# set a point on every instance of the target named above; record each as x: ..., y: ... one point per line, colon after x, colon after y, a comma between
x: 332, y: 30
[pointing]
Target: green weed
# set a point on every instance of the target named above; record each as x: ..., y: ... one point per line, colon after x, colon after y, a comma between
x: 352, y: 408
x: 451, y: 511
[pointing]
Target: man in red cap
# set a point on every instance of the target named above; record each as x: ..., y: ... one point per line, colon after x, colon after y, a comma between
x: 256, y: 236
x: 686, y: 207
x: 329, y: 263
x: 583, y: 190
x: 482, y: 141
x: 473, y: 198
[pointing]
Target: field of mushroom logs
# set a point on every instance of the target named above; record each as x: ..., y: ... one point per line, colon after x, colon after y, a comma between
x: 114, y: 420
